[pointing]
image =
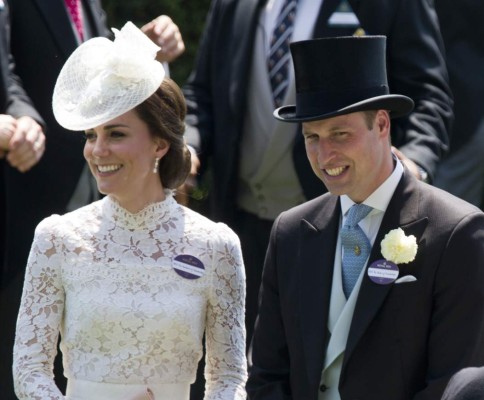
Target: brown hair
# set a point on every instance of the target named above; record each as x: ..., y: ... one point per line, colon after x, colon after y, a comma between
x: 370, y: 116
x: 164, y: 113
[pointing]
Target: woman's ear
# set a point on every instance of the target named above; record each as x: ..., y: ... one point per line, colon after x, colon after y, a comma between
x: 162, y: 147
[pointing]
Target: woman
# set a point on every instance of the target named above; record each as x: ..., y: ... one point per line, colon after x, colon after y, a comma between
x: 133, y: 281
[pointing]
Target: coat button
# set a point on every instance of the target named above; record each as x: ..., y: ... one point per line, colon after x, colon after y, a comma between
x: 323, y: 388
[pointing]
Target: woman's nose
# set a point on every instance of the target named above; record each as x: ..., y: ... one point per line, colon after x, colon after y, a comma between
x: 100, y: 147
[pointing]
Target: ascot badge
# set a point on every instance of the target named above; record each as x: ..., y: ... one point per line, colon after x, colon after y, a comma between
x: 396, y: 248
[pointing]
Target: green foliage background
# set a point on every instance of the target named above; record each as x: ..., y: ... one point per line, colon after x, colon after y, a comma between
x: 189, y: 15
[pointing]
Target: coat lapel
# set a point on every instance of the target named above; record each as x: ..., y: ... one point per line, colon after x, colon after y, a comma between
x: 318, y: 244
x: 402, y: 212
x: 57, y: 21
x: 97, y: 21
x: 246, y: 17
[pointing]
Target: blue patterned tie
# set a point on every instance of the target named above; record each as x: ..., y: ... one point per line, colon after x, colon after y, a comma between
x: 279, y: 55
x: 356, y: 246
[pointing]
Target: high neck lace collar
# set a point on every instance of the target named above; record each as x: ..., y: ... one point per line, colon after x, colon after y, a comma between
x: 152, y: 214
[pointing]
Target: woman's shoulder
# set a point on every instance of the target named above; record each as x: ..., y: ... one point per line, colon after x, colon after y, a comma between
x: 78, y: 217
x: 215, y: 230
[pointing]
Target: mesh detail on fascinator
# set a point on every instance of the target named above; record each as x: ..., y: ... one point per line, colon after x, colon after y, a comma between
x: 103, y: 79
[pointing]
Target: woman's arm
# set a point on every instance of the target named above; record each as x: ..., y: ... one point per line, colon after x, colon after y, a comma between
x: 226, y: 363
x: 39, y: 318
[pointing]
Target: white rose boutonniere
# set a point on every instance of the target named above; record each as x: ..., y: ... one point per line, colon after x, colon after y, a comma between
x: 399, y: 248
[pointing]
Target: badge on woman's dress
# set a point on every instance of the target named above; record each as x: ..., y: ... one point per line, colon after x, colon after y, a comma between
x: 188, y: 266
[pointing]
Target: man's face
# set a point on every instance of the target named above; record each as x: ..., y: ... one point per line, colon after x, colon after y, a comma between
x: 349, y: 156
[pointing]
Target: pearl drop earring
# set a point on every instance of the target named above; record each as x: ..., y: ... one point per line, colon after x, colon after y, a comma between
x: 155, y: 168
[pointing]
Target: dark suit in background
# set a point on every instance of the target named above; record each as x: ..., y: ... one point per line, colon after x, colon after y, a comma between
x: 216, y: 95
x: 42, y: 39
x: 13, y: 101
x: 462, y: 172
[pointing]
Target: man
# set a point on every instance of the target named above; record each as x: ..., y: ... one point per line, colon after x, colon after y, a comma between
x: 22, y: 141
x: 336, y: 318
x: 21, y: 136
x: 467, y: 384
x: 22, y: 144
x: 43, y: 35
x: 259, y: 166
x: 462, y: 171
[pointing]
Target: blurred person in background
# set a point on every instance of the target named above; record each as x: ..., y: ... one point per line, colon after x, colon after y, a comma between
x: 22, y: 141
x: 462, y: 171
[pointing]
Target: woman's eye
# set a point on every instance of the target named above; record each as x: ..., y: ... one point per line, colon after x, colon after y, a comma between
x: 89, y: 136
x: 117, y: 134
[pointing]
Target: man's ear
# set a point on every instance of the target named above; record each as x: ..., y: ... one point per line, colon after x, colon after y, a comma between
x: 382, y: 122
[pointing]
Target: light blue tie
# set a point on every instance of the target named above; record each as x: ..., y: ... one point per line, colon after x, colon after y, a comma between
x: 356, y: 246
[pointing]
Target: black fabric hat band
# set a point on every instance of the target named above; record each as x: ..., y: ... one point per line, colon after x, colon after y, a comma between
x: 314, y: 103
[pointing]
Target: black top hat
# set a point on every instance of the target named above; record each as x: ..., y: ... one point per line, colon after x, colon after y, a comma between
x: 341, y: 75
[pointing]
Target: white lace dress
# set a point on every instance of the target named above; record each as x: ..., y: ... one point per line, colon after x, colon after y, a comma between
x: 132, y: 295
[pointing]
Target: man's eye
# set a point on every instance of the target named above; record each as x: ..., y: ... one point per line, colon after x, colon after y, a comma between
x: 311, y: 137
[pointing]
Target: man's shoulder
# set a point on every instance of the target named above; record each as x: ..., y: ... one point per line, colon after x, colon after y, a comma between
x: 444, y: 203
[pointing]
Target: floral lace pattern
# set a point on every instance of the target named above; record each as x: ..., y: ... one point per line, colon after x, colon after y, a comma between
x: 107, y: 281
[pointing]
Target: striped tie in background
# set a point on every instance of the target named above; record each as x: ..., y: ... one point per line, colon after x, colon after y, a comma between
x: 279, y: 55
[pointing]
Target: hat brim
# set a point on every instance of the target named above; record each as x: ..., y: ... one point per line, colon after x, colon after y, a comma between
x: 102, y: 79
x: 396, y: 104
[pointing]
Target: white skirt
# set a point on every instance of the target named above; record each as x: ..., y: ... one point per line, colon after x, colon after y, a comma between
x: 87, y: 390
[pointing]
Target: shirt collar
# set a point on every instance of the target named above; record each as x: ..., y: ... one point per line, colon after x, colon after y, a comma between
x: 380, y: 198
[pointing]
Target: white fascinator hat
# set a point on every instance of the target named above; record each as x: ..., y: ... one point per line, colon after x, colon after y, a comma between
x: 103, y: 79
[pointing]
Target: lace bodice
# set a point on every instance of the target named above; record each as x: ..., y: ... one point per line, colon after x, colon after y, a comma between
x: 131, y: 295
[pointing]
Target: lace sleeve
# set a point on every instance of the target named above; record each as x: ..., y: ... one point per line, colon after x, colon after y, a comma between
x: 226, y: 364
x: 39, y: 318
